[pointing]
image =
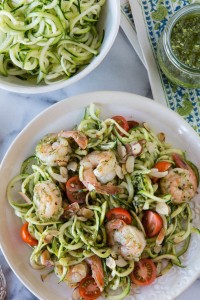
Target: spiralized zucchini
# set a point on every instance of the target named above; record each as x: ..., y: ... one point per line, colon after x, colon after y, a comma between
x: 77, y: 235
x: 48, y: 40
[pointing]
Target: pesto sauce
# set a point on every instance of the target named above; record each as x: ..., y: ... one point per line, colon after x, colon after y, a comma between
x: 185, y: 40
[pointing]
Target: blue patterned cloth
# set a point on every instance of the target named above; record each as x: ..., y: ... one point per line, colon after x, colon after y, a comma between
x: 184, y: 101
x: 126, y: 9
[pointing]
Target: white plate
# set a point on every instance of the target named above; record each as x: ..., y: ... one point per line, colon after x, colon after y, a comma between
x: 64, y: 115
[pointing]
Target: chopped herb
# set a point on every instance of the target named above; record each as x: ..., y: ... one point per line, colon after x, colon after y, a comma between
x: 185, y: 40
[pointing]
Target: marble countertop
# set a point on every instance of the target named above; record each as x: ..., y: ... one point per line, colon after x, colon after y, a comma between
x: 121, y: 70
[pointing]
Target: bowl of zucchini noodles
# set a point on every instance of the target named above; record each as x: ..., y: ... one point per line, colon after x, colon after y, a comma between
x: 48, y: 45
x: 102, y: 201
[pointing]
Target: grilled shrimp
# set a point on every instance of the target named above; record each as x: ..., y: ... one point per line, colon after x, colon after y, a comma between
x: 52, y: 150
x: 77, y: 273
x: 180, y: 182
x: 97, y: 270
x: 48, y: 201
x: 78, y: 137
x: 99, y: 169
x: 130, y: 240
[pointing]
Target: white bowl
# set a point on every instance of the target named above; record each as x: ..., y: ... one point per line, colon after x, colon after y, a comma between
x: 109, y: 22
x: 64, y: 115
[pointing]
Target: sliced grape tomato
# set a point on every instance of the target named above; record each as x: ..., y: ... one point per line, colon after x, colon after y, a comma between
x: 26, y: 236
x: 119, y: 213
x: 88, y: 289
x: 122, y: 122
x: 152, y: 223
x: 144, y: 272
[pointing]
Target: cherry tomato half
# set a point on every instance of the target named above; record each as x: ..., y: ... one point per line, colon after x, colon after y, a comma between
x: 144, y: 272
x: 26, y: 236
x: 74, y: 184
x: 122, y: 122
x: 152, y: 223
x: 162, y: 166
x: 75, y: 191
x: 88, y: 289
x: 119, y: 213
x: 132, y: 124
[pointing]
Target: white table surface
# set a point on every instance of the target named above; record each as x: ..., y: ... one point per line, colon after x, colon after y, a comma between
x: 121, y: 70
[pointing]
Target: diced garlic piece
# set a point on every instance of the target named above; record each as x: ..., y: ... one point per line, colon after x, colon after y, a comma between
x: 155, y: 173
x: 72, y: 165
x: 120, y: 262
x: 110, y: 263
x: 151, y: 147
x: 83, y: 219
x: 113, y: 273
x: 121, y: 150
x: 146, y: 205
x: 85, y: 212
x: 130, y: 164
x: 158, y: 268
x: 119, y: 172
x: 162, y: 208
x: 157, y: 248
x: 115, y: 251
x: 124, y: 169
x: 63, y: 172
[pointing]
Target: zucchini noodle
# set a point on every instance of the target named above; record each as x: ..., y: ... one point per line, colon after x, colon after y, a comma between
x: 71, y: 222
x: 48, y: 40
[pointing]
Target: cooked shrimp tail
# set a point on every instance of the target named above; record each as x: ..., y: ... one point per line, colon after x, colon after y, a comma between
x: 97, y: 270
x: 180, y: 162
x: 111, y: 226
x: 115, y: 224
x: 107, y: 189
x: 78, y: 137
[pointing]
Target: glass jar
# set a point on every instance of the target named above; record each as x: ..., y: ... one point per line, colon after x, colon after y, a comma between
x: 178, y: 72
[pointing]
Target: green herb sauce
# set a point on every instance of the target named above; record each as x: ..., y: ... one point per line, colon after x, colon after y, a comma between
x: 185, y: 40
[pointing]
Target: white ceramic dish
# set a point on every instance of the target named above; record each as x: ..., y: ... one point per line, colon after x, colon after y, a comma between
x: 109, y: 22
x: 64, y: 115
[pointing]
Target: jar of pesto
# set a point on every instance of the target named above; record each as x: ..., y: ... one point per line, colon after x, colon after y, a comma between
x: 179, y: 47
